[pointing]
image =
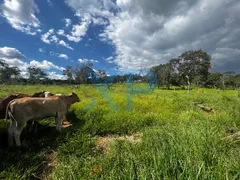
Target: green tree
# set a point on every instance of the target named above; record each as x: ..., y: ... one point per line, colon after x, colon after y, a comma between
x: 3, y: 63
x: 36, y: 74
x: 194, y: 64
x: 165, y: 72
x: 237, y: 80
x: 214, y: 80
x: 83, y: 73
x: 227, y: 79
x: 9, y: 74
x: 69, y: 73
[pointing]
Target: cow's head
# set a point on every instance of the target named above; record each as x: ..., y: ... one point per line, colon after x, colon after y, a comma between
x: 74, y: 97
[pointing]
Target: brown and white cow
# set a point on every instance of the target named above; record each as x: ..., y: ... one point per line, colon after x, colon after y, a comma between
x: 4, y: 102
x: 22, y: 110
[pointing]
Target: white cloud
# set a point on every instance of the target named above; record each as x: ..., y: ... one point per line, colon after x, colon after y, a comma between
x: 68, y: 22
x: 64, y: 44
x: 54, y: 39
x: 13, y: 58
x: 86, y: 10
x: 10, y: 53
x: 54, y: 75
x: 110, y: 59
x: 50, y: 37
x: 46, y: 65
x: 64, y: 56
x: 85, y: 61
x: 94, y: 11
x: 61, y: 32
x: 78, y: 31
x: 99, y: 21
x: 21, y: 15
x: 41, y: 50
x: 147, y: 33
x: 45, y: 37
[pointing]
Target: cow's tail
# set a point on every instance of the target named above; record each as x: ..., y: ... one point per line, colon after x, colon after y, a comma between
x: 9, y: 113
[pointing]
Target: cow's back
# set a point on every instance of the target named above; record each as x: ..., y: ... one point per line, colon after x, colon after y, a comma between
x: 36, y: 108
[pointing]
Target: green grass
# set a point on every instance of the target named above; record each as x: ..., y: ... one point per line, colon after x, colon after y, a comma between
x: 179, y: 140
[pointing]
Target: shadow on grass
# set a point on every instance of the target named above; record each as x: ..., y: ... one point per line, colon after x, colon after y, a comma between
x: 34, y: 159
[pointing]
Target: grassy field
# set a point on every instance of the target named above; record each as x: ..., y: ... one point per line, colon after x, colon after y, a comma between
x: 160, y: 135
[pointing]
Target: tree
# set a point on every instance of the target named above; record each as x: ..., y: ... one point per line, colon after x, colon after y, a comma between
x: 36, y: 74
x: 227, y: 79
x: 3, y: 63
x: 194, y: 64
x: 9, y: 73
x: 237, y: 80
x: 84, y: 74
x: 214, y: 80
x: 69, y: 73
x: 165, y: 72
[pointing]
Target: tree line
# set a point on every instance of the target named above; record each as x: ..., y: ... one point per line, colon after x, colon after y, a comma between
x: 190, y: 68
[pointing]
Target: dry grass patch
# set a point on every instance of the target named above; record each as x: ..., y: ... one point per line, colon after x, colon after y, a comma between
x: 104, y: 143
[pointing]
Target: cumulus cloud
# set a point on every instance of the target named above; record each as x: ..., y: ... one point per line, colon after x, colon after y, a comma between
x: 147, y: 33
x: 13, y: 57
x: 68, y: 22
x: 21, y: 15
x: 86, y: 61
x: 61, y: 32
x: 78, y: 31
x: 64, y: 56
x: 46, y: 65
x: 50, y: 37
x: 86, y: 10
x: 64, y: 44
x: 10, y: 53
x: 94, y: 11
x: 45, y: 36
x: 54, y: 75
x: 110, y: 59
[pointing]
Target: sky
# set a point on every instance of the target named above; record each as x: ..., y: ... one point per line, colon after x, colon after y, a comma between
x: 118, y: 36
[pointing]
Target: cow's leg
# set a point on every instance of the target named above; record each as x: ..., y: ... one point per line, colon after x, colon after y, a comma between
x: 35, y: 126
x: 11, y: 132
x: 18, y: 134
x: 29, y: 126
x: 58, y: 121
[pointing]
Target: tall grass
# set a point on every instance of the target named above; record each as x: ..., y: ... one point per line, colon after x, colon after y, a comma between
x: 179, y: 140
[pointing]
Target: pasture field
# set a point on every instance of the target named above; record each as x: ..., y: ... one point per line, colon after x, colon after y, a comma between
x: 160, y: 135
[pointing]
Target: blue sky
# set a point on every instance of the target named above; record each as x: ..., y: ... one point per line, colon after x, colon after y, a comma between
x: 119, y: 36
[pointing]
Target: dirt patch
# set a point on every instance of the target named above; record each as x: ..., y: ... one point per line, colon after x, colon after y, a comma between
x: 234, y: 137
x: 104, y: 143
x: 50, y: 165
x: 52, y: 159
